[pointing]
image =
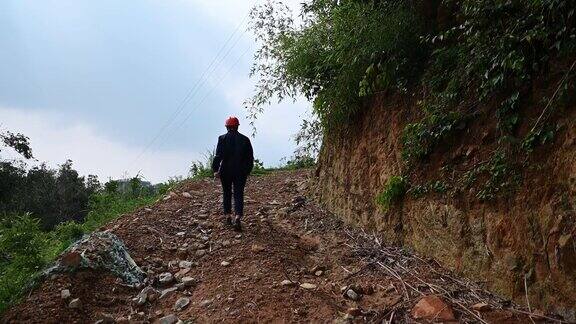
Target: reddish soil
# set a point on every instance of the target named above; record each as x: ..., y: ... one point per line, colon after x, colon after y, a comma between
x: 282, y: 239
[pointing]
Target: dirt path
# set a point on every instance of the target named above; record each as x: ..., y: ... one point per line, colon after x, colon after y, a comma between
x: 244, y: 278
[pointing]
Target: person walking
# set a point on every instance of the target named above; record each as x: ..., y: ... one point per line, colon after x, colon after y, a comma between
x: 233, y: 162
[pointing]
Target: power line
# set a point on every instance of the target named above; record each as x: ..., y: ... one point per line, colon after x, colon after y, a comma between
x: 195, y: 88
x: 222, y: 78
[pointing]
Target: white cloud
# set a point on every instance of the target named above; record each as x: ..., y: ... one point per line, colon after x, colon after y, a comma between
x: 54, y: 139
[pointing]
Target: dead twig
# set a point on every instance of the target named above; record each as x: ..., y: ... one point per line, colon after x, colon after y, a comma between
x: 527, y: 299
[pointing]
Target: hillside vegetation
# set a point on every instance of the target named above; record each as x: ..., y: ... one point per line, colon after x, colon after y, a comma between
x: 461, y: 60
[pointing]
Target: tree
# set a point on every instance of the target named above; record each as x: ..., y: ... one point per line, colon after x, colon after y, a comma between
x: 18, y: 142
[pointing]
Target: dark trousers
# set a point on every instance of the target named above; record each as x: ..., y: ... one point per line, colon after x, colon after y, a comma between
x: 238, y: 184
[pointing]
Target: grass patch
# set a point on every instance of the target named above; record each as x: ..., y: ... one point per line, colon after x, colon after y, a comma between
x: 26, y: 249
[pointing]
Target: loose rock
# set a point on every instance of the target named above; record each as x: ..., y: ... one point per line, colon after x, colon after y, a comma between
x: 65, y: 294
x: 185, y: 264
x: 354, y: 311
x: 181, y: 303
x: 481, y: 307
x: 307, y: 285
x: 188, y: 281
x: 433, y: 308
x: 258, y: 248
x: 287, y: 283
x: 225, y: 263
x: 167, y: 292
x: 75, y: 303
x: 165, y: 278
x: 206, y: 303
x: 169, y: 319
x: 352, y: 295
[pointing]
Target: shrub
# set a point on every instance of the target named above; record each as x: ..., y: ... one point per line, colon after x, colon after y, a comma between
x: 342, y: 51
x: 393, y: 192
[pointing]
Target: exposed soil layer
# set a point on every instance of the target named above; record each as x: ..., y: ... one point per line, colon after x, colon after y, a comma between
x: 521, y: 241
x: 286, y: 237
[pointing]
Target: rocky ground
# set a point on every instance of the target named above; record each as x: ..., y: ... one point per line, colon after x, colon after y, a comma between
x: 294, y: 262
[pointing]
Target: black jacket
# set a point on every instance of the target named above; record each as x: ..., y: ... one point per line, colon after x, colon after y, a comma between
x: 234, y: 156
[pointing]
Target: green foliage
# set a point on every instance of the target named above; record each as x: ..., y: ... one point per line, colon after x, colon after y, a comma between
x: 539, y: 136
x: 18, y: 142
x: 419, y: 139
x: 201, y: 169
x: 26, y: 249
x: 497, y: 176
x: 343, y: 50
x: 53, y: 196
x: 21, y: 246
x: 393, y: 192
x: 105, y: 207
x: 437, y: 186
x: 258, y: 168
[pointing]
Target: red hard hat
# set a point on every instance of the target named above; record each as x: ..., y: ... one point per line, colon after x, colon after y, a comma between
x: 232, y: 121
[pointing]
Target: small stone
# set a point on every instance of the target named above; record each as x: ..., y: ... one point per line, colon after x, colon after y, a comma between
x: 167, y: 292
x: 185, y: 264
x: 186, y: 194
x: 182, y: 273
x: 169, y: 319
x: 180, y: 233
x: 75, y: 303
x: 181, y: 303
x: 258, y: 248
x: 122, y: 320
x: 318, y: 273
x: 307, y: 285
x: 165, y: 278
x: 147, y: 294
x: 481, y: 307
x: 352, y: 295
x: 225, y: 263
x: 107, y: 319
x: 433, y: 308
x: 239, y: 236
x: 354, y: 311
x: 65, y: 294
x: 206, y: 303
x: 287, y: 282
x: 226, y: 243
x: 188, y: 281
x: 200, y: 253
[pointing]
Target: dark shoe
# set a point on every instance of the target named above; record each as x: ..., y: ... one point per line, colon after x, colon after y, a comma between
x: 237, y: 225
x: 228, y: 220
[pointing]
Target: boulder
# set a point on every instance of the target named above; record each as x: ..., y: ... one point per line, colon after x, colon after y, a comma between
x: 99, y: 251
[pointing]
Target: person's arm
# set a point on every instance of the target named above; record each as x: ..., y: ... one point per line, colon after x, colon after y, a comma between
x: 250, y: 158
x: 218, y: 156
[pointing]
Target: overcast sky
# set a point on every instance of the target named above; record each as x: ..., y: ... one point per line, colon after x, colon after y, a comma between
x: 102, y: 81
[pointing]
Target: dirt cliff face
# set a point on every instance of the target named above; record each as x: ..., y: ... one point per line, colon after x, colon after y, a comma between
x: 525, y: 239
